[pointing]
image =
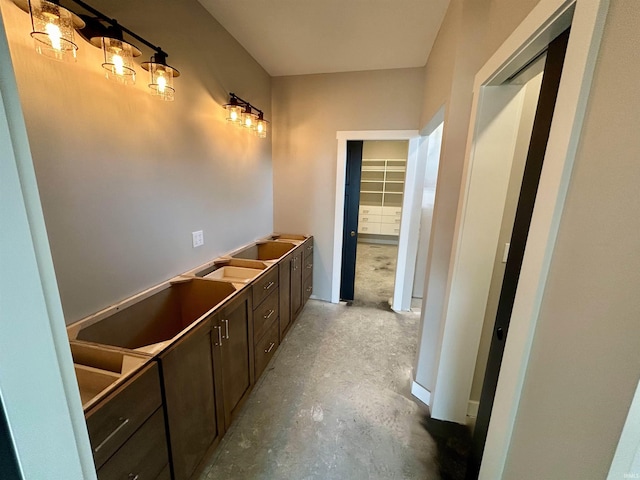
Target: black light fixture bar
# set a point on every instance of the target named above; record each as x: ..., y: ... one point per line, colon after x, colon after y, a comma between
x: 244, y: 103
x: 115, y: 23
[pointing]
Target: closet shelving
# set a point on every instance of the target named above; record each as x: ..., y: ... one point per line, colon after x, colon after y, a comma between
x: 381, y: 190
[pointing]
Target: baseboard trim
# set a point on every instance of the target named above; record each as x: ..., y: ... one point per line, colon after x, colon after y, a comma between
x: 472, y: 408
x: 421, y: 393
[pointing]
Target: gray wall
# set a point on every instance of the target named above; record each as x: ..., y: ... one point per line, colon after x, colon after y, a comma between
x: 385, y: 149
x: 584, y: 364
x: 308, y: 110
x: 125, y: 178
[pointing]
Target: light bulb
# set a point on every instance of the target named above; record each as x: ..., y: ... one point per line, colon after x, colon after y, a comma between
x: 162, y: 83
x: 118, y: 64
x: 233, y: 116
x: 55, y: 35
x: 53, y: 30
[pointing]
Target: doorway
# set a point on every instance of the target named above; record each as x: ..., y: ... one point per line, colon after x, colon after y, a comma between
x: 409, y: 221
x: 374, y: 188
x: 484, y: 185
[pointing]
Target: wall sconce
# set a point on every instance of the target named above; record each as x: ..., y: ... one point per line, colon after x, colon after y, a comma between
x: 161, y: 76
x: 54, y: 36
x: 118, y: 55
x: 53, y: 28
x: 241, y: 112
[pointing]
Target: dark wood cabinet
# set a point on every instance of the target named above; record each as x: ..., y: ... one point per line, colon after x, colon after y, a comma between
x: 143, y: 456
x: 233, y: 359
x: 266, y: 348
x: 296, y: 284
x: 285, y: 294
x: 194, y: 421
x: 307, y: 275
x: 114, y: 420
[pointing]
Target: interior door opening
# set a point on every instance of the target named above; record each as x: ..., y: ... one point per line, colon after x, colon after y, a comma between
x: 518, y: 229
x: 374, y: 189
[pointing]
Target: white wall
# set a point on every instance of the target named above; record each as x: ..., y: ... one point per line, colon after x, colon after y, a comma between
x: 308, y: 111
x: 124, y: 178
x: 584, y: 364
x: 515, y: 181
x: 426, y: 213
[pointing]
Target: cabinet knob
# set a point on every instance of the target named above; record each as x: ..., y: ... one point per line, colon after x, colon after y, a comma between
x: 353, y: 234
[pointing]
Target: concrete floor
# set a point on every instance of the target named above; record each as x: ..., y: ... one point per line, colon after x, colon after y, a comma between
x: 335, y: 403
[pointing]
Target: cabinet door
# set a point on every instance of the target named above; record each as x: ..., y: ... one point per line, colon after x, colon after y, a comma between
x: 285, y: 294
x: 236, y: 354
x: 296, y: 284
x: 187, y: 371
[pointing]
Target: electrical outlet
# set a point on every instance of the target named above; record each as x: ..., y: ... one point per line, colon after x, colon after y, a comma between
x: 198, y: 238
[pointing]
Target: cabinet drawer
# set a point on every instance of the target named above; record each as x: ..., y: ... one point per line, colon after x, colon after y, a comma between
x: 111, y: 422
x: 396, y: 211
x: 307, y: 287
x: 165, y: 474
x: 266, y: 348
x: 143, y: 456
x: 387, y: 229
x: 266, y: 313
x: 364, y: 219
x: 264, y: 286
x: 370, y: 210
x: 372, y: 228
x: 390, y: 219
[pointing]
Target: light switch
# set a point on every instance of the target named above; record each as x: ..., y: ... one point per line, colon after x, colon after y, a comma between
x: 198, y: 238
x: 505, y: 254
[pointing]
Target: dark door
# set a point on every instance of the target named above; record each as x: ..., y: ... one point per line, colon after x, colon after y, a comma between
x: 8, y: 463
x: 524, y: 211
x: 350, y: 229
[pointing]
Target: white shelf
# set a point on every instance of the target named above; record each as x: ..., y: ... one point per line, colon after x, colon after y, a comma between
x: 389, y: 174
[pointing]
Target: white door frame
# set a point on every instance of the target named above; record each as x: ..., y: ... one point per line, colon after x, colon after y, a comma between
x: 408, y: 229
x: 455, y: 372
x: 38, y: 386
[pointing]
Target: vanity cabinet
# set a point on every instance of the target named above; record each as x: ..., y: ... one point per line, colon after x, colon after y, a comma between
x: 127, y: 430
x: 307, y: 280
x: 195, y: 423
x: 296, y: 284
x: 233, y: 355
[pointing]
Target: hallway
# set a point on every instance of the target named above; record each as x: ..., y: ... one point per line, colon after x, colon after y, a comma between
x: 335, y: 402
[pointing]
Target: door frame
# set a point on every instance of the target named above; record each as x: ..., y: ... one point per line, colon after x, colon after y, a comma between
x: 47, y: 424
x: 461, y: 332
x: 408, y: 229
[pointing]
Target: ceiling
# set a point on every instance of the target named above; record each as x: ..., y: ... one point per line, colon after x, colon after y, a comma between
x: 297, y: 37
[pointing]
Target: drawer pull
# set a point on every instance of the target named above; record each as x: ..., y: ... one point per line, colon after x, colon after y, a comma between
x: 309, y: 248
x: 219, y: 335
x: 309, y: 289
x: 123, y: 422
x: 134, y: 477
x: 226, y: 322
x: 270, y: 347
x: 268, y: 285
x: 268, y: 316
x: 309, y: 266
